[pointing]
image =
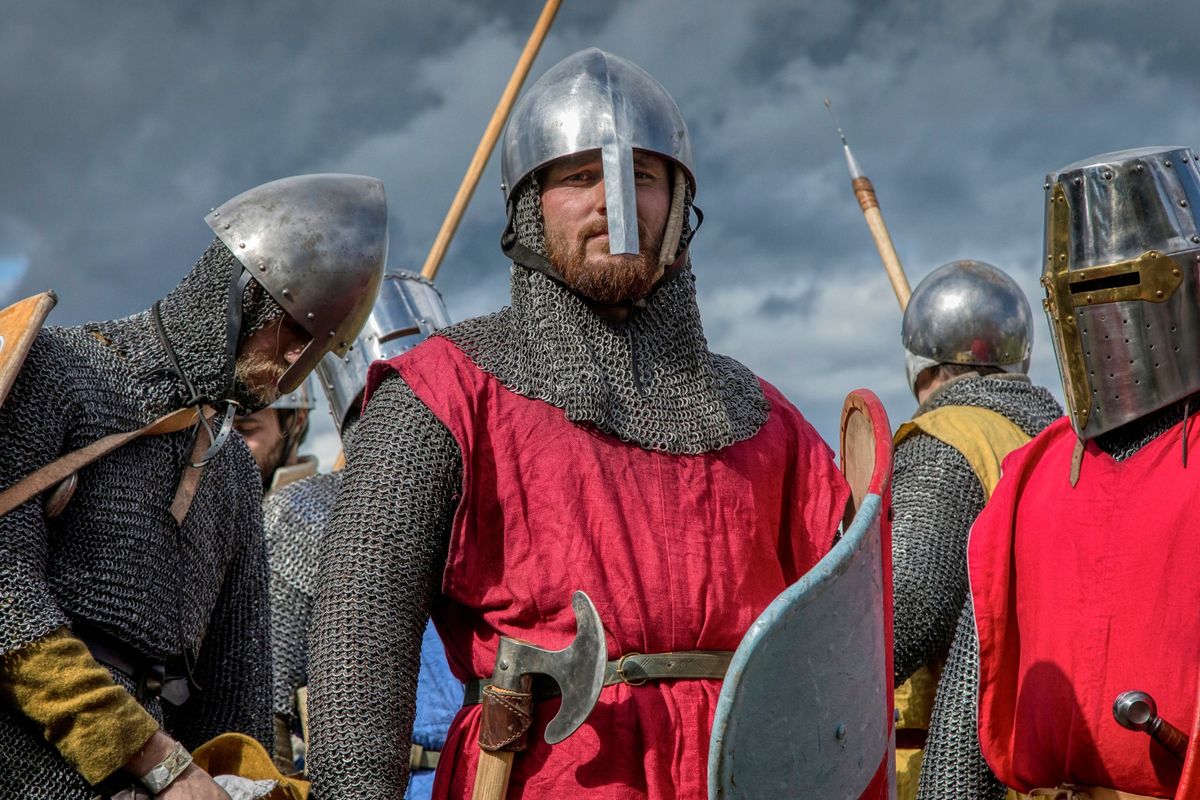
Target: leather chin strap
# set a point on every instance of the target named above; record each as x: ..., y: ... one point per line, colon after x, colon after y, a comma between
x: 238, y: 282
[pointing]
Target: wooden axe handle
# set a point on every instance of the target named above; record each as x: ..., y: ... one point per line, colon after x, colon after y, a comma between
x: 491, y: 776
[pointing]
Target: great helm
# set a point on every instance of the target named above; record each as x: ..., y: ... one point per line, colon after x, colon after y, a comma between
x: 593, y: 100
x: 408, y: 310
x: 317, y: 244
x: 1122, y: 250
x: 967, y: 312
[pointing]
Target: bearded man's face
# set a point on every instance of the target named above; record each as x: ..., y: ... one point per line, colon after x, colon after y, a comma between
x: 575, y: 216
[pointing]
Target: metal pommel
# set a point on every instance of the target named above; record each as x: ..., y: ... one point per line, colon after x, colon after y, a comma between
x: 593, y: 100
x: 967, y: 312
x: 1120, y: 272
x: 317, y: 244
x: 1137, y: 711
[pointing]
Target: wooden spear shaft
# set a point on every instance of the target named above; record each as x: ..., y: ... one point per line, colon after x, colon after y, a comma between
x: 869, y: 203
x: 490, y: 135
x: 865, y: 193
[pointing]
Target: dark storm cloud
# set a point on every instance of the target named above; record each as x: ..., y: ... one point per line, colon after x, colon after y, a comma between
x: 124, y: 122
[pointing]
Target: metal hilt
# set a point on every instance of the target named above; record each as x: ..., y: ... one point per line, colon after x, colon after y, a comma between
x: 1137, y: 711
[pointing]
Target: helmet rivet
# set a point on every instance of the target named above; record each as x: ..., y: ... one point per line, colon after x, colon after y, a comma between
x: 311, y: 315
x: 1046, y: 185
x: 1088, y: 298
x: 1159, y: 293
x: 1062, y: 257
x: 1175, y: 272
x: 242, y: 245
x: 1195, y: 239
x: 1167, y: 163
x: 228, y: 225
x: 1140, y: 168
x: 1183, y: 203
x: 262, y: 265
x: 215, y: 213
x: 1107, y: 175
x: 1078, y: 181
x: 332, y: 334
x: 286, y: 293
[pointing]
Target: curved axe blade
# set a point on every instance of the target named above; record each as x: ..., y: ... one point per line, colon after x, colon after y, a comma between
x: 578, y: 668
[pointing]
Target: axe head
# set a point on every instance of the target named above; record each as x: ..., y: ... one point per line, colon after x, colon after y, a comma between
x: 578, y: 668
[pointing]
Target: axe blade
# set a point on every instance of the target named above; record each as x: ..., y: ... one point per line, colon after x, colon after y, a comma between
x: 578, y: 668
x: 582, y: 670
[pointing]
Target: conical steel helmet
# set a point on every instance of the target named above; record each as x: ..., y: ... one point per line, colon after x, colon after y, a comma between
x: 967, y: 312
x: 593, y: 100
x: 1122, y: 295
x: 317, y: 244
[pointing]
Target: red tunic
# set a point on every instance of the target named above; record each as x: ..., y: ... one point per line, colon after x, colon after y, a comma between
x: 677, y: 552
x: 1080, y: 594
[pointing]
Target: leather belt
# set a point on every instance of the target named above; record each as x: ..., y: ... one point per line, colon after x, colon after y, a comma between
x: 633, y: 669
x: 152, y: 678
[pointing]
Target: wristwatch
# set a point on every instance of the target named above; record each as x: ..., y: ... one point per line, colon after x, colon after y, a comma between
x: 167, y: 770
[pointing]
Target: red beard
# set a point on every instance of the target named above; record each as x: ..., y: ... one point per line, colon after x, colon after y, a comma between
x: 606, y: 278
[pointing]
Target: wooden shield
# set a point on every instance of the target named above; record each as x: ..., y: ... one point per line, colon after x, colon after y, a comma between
x: 19, y: 324
x: 806, y: 707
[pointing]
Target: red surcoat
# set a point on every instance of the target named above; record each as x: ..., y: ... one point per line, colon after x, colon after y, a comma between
x: 1080, y: 594
x: 677, y: 552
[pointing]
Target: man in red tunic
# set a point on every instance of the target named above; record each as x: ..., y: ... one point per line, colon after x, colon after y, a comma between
x: 584, y: 438
x: 1083, y: 565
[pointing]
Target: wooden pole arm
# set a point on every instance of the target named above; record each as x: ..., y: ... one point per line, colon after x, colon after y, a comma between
x: 467, y: 188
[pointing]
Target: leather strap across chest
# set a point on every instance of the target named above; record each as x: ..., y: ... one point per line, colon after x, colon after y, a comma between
x: 634, y: 669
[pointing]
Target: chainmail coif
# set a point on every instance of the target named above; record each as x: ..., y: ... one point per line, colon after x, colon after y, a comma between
x: 115, y: 560
x: 381, y: 563
x: 650, y: 380
x: 954, y: 765
x: 193, y: 315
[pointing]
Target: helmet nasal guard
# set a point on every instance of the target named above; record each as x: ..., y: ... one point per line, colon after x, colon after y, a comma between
x: 317, y: 244
x: 1122, y: 249
x: 593, y: 100
x: 967, y: 312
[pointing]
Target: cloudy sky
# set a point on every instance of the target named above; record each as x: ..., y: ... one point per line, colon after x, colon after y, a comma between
x: 123, y: 123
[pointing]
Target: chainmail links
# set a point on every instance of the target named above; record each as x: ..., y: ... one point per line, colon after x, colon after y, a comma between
x: 383, y: 553
x: 293, y: 520
x: 935, y: 497
x: 954, y: 765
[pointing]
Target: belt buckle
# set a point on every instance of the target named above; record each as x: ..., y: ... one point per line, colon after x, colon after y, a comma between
x: 621, y: 671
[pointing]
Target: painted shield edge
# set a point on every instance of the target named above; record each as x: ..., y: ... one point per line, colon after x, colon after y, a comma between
x: 873, y: 511
x: 19, y: 326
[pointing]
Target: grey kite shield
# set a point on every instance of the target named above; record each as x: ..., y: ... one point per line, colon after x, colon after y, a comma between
x: 806, y: 707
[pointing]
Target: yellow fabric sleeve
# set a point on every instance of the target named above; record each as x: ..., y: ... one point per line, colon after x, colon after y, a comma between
x: 95, y: 724
x: 984, y: 437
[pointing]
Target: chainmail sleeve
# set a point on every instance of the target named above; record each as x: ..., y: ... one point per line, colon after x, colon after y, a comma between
x: 953, y: 764
x: 381, y: 561
x: 935, y: 497
x: 34, y: 425
x: 232, y: 669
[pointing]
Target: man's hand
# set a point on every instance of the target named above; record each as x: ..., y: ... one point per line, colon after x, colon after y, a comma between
x: 193, y: 784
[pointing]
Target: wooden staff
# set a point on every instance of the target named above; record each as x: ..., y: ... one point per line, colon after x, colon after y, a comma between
x: 865, y: 192
x: 490, y: 135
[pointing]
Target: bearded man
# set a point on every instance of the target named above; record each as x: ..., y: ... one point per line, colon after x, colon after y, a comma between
x: 585, y: 438
x: 133, y: 619
x: 275, y: 434
x: 968, y: 336
x: 1082, y: 566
